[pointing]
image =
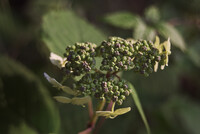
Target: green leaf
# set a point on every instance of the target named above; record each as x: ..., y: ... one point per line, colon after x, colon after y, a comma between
x: 150, y: 33
x: 140, y: 30
x: 152, y: 14
x: 139, y: 107
x: 62, y: 28
x: 122, y: 19
x: 168, y: 30
x: 26, y: 98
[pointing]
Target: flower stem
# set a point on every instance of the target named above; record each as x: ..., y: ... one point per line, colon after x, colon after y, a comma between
x: 63, y: 80
x: 99, y: 108
x: 97, y: 71
x: 94, y: 118
x: 102, y: 120
x: 90, y: 109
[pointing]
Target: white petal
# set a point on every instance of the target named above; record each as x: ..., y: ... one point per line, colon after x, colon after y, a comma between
x: 167, y: 46
x: 162, y: 67
x: 57, y: 60
x: 157, y: 42
x: 56, y: 84
x: 156, y: 67
x: 158, y: 45
x: 167, y: 60
x: 52, y: 81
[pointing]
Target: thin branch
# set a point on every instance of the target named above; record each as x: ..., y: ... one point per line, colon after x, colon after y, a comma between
x: 97, y: 70
x: 102, y: 120
x: 99, y: 108
x: 93, y: 120
x: 115, y: 72
x: 90, y: 109
x: 63, y: 80
x: 86, y: 131
x: 117, y: 76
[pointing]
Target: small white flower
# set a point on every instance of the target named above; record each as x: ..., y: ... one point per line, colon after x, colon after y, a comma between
x: 52, y: 81
x: 57, y: 60
x: 165, y: 45
x: 158, y: 45
x: 156, y: 67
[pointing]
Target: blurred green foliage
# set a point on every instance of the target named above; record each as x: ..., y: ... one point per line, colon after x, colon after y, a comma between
x: 147, y: 27
x: 25, y: 100
x: 170, y: 98
x: 62, y: 28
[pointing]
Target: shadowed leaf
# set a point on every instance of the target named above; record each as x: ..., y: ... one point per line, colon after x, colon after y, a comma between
x: 26, y: 98
x: 22, y: 128
x: 139, y: 107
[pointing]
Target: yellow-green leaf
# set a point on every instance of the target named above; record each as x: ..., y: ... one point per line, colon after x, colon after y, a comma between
x: 80, y: 100
x: 75, y: 101
x: 62, y: 99
x: 139, y: 107
x: 113, y: 114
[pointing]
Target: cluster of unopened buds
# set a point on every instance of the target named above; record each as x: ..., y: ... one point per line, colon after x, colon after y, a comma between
x: 103, y: 82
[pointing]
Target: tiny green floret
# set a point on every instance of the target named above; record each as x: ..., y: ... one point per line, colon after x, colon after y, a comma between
x: 100, y: 86
x: 80, y: 58
x: 117, y: 54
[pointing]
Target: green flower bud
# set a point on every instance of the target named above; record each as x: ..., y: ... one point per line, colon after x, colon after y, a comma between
x: 122, y: 97
x: 121, y: 90
x: 115, y: 88
x: 119, y: 102
x: 126, y: 93
x: 117, y: 93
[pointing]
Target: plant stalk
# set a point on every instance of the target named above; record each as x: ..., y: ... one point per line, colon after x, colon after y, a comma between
x: 91, y: 124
